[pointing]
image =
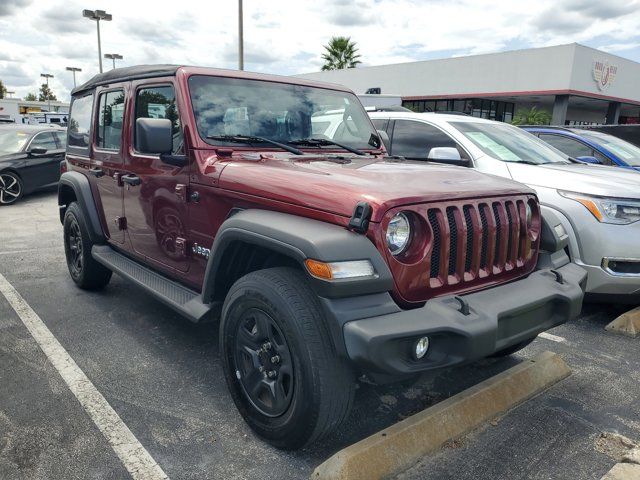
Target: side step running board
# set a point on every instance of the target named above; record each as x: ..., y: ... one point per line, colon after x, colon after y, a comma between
x: 180, y: 298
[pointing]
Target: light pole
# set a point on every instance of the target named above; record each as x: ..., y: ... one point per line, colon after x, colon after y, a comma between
x: 9, y: 93
x: 240, y: 37
x: 98, y: 15
x: 74, y: 70
x: 113, y: 57
x: 48, y: 76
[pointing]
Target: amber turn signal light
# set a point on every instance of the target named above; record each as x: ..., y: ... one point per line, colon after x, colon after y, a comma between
x: 318, y: 269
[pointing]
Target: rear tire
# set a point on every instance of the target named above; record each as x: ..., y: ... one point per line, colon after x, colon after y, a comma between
x: 514, y: 348
x: 304, y: 389
x: 84, y: 270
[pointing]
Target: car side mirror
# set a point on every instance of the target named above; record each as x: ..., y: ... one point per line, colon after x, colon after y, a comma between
x: 37, y: 151
x: 384, y: 138
x: 154, y: 136
x: 588, y: 159
x: 447, y: 155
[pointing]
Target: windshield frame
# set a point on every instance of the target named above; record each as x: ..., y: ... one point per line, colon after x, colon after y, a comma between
x: 541, y: 147
x: 353, y: 102
x: 27, y: 136
x: 601, y: 140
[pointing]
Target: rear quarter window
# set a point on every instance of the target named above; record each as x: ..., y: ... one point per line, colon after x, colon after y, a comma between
x: 79, y: 129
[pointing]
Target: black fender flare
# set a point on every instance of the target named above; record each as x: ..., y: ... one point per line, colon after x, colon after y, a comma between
x: 84, y: 197
x: 300, y: 238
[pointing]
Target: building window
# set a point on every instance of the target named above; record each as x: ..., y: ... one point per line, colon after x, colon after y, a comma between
x: 476, y: 107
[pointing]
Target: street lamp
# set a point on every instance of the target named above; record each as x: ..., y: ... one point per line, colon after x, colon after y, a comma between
x: 48, y: 76
x: 240, y: 37
x: 74, y: 70
x: 9, y: 93
x: 98, y: 15
x: 113, y: 57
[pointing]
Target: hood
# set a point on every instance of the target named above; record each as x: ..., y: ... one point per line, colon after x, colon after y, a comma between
x: 336, y: 185
x: 588, y: 179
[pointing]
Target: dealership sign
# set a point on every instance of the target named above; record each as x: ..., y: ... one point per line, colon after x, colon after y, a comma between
x: 604, y: 74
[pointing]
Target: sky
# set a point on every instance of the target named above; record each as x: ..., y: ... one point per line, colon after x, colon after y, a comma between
x: 287, y: 36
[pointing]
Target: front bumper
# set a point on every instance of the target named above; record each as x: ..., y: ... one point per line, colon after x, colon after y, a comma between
x: 604, y: 286
x: 498, y: 318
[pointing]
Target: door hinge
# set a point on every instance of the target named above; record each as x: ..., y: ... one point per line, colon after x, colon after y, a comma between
x: 181, y: 246
x: 121, y: 223
x: 181, y: 191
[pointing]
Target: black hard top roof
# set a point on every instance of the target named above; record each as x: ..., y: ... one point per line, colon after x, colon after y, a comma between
x: 127, y: 73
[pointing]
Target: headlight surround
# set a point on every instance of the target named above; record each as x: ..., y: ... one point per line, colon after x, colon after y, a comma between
x: 398, y: 234
x: 620, y: 211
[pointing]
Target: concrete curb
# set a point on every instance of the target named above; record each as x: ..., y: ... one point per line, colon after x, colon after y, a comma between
x: 398, y: 447
x: 626, y: 324
x: 628, y: 469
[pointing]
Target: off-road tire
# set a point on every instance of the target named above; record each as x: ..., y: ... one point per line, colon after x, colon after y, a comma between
x: 323, y: 383
x: 514, y: 348
x: 84, y: 270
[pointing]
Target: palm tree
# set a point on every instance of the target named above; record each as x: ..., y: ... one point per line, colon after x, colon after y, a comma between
x: 340, y: 53
x: 531, y: 116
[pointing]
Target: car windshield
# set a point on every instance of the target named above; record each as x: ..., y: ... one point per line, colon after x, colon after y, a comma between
x: 12, y: 141
x: 278, y: 111
x: 509, y: 144
x: 623, y: 149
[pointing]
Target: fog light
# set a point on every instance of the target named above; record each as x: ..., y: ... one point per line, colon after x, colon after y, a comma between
x: 421, y: 347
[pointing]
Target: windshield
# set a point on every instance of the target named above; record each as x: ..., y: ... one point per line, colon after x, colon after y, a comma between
x: 12, y: 141
x: 280, y: 112
x: 623, y: 149
x: 509, y: 144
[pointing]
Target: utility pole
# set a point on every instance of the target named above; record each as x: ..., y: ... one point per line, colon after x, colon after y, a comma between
x: 240, y: 37
x: 98, y: 15
x: 48, y: 76
x: 74, y: 70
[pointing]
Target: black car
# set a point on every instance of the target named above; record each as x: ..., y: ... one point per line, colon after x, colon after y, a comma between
x: 30, y: 157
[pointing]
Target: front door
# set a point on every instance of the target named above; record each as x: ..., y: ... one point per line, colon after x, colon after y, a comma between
x: 43, y: 168
x: 155, y: 193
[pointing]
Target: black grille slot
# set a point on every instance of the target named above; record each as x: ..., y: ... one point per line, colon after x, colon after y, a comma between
x: 496, y: 215
x: 435, y: 253
x: 510, y: 220
x: 467, y: 218
x: 453, y: 250
x: 485, y: 237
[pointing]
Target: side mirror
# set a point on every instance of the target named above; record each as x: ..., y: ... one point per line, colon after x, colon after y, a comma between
x: 154, y: 136
x: 37, y: 151
x: 384, y: 138
x: 588, y: 159
x: 447, y: 155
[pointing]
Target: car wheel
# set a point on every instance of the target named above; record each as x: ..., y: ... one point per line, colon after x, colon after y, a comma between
x: 514, y: 348
x: 11, y: 188
x: 84, y: 270
x: 283, y: 372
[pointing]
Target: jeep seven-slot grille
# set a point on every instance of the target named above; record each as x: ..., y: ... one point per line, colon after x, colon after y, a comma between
x: 470, y: 230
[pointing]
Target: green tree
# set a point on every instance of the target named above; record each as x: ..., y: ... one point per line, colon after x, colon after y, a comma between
x: 3, y: 89
x: 46, y: 93
x: 531, y: 116
x: 31, y: 97
x: 340, y: 53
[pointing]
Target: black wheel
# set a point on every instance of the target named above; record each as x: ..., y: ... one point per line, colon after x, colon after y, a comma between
x: 514, y: 348
x: 282, y: 370
x: 11, y: 188
x: 84, y: 270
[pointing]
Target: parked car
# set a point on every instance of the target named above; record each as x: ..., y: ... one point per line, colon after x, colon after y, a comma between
x: 599, y: 206
x: 30, y: 159
x: 322, y: 258
x: 590, y: 146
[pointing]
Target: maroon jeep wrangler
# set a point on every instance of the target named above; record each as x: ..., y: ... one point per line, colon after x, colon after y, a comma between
x: 269, y: 203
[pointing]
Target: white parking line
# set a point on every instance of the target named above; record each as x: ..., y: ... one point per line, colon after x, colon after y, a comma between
x: 553, y: 338
x: 133, y: 455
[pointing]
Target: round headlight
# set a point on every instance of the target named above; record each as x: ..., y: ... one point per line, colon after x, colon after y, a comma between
x: 398, y: 234
x: 529, y: 215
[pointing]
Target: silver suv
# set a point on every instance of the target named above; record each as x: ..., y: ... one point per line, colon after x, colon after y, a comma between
x: 599, y: 207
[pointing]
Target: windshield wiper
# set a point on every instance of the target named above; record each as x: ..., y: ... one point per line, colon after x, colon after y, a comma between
x: 321, y: 142
x: 254, y: 139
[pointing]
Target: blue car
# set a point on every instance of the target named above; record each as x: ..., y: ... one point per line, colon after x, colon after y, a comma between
x: 589, y: 146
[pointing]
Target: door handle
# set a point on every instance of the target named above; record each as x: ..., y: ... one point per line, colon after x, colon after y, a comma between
x: 131, y: 180
x: 96, y: 172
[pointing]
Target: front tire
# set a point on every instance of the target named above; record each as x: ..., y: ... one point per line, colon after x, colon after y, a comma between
x: 280, y: 364
x: 84, y: 270
x: 11, y: 188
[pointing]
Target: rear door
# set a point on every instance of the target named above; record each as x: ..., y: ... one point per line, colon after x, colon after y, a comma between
x: 43, y: 168
x: 155, y: 193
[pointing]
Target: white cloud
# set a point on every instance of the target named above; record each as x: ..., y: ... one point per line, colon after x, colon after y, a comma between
x: 286, y: 36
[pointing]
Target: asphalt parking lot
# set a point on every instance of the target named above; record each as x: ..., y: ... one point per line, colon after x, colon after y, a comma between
x: 161, y: 374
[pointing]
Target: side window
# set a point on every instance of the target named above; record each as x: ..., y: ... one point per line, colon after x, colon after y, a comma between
x: 61, y: 138
x: 416, y: 139
x: 160, y: 102
x: 80, y: 122
x: 567, y: 145
x: 603, y: 159
x: 110, y: 116
x: 380, y: 123
x: 44, y: 140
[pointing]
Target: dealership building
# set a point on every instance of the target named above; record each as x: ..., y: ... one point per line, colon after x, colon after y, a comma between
x: 576, y: 84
